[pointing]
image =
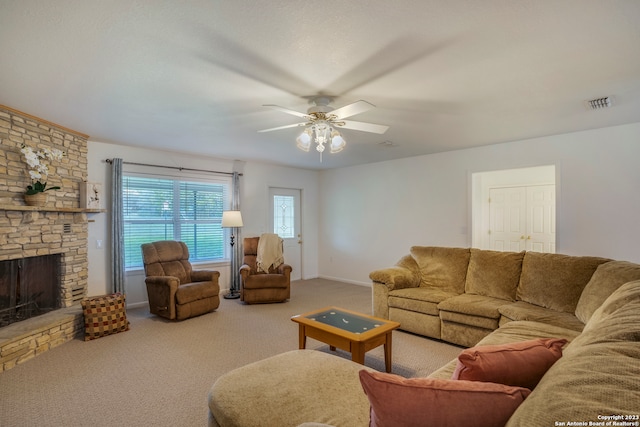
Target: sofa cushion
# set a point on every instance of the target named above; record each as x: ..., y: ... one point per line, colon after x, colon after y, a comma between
x: 421, y: 300
x: 494, y: 274
x: 417, y: 322
x: 468, y: 320
x: 519, y: 364
x: 474, y: 305
x: 607, y: 278
x: 195, y: 291
x: 616, y: 320
x: 555, y: 281
x: 397, y: 401
x: 521, y: 310
x: 266, y: 280
x: 510, y: 333
x: 167, y: 258
x: 464, y: 334
x: 442, y: 268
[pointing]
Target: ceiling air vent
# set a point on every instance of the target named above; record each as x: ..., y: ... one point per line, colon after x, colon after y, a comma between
x: 596, y: 104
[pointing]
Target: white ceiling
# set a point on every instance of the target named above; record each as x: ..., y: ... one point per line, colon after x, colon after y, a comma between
x: 193, y: 76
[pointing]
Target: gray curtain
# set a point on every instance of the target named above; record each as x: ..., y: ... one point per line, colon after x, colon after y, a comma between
x: 237, y: 248
x: 117, y: 228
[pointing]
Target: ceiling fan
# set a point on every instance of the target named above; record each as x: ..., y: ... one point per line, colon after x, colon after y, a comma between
x: 322, y: 120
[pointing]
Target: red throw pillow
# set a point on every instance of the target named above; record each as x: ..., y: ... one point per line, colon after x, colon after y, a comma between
x: 520, y: 364
x: 404, y: 402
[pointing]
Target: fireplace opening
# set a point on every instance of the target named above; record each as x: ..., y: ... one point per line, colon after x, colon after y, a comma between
x: 29, y: 287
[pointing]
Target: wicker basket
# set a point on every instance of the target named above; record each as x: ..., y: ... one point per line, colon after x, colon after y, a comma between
x: 38, y: 199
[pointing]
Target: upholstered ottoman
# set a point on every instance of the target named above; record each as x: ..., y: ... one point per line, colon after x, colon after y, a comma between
x: 293, y: 388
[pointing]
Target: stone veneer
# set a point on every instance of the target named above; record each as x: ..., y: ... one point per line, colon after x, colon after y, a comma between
x: 59, y: 228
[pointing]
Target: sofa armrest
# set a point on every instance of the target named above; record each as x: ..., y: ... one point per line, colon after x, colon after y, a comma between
x: 161, y: 291
x: 405, y: 274
x: 285, y: 269
x: 245, y: 271
x: 205, y: 276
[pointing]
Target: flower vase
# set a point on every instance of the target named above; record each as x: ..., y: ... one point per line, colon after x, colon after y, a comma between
x: 38, y: 199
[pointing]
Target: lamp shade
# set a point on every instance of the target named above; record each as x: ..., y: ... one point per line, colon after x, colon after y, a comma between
x: 231, y: 219
x: 337, y: 142
x: 304, y: 140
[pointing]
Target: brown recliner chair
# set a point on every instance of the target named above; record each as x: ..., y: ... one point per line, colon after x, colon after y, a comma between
x: 261, y: 287
x: 174, y: 289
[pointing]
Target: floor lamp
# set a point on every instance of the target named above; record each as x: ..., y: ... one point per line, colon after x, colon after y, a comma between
x: 233, y: 220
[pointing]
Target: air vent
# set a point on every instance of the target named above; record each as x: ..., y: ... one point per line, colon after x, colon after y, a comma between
x: 66, y: 228
x: 387, y: 143
x: 596, y: 104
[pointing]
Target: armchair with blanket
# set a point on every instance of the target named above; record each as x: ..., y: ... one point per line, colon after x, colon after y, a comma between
x: 265, y: 276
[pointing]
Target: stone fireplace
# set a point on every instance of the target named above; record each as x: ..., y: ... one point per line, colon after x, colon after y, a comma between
x: 59, y: 228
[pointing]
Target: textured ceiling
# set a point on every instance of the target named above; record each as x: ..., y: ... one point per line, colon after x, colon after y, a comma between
x: 193, y: 76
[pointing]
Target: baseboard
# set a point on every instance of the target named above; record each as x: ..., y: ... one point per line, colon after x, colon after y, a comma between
x: 138, y: 304
x: 340, y: 279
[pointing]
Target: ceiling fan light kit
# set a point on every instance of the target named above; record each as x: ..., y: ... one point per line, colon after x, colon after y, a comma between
x: 321, y: 123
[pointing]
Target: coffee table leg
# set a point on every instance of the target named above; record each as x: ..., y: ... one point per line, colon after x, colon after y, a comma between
x: 357, y: 353
x: 302, y: 337
x: 387, y: 353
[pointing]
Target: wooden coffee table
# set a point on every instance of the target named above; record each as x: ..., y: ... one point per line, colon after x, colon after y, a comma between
x: 347, y: 330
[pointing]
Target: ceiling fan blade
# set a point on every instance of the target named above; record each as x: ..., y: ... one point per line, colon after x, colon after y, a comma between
x: 284, y: 127
x: 365, y: 127
x: 286, y: 110
x: 353, y: 109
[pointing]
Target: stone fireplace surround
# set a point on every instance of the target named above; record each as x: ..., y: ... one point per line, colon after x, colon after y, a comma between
x: 59, y: 228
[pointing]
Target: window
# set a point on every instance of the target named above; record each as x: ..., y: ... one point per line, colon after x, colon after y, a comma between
x: 174, y: 209
x: 283, y: 216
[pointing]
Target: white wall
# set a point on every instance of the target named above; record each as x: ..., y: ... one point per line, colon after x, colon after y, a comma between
x: 256, y: 180
x: 372, y: 214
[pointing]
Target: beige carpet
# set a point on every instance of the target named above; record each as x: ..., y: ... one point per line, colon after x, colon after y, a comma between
x: 159, y: 372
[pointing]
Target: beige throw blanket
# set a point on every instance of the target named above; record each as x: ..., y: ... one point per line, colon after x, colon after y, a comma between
x: 269, y: 252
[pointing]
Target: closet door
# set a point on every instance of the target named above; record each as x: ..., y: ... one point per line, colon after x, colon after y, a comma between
x: 522, y: 218
x: 507, y: 218
x: 541, y: 218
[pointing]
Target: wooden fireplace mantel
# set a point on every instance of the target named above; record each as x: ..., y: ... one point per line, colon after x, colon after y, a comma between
x: 48, y: 209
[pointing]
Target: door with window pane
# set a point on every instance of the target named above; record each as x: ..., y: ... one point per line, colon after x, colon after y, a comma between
x: 285, y: 221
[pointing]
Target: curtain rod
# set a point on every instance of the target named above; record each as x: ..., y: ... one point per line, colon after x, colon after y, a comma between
x: 172, y: 167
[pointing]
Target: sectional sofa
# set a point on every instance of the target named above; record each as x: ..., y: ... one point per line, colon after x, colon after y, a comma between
x: 461, y: 295
x: 472, y: 298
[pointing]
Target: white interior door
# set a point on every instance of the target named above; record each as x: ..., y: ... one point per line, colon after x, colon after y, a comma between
x: 507, y: 219
x: 541, y: 218
x: 522, y: 218
x: 286, y: 220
